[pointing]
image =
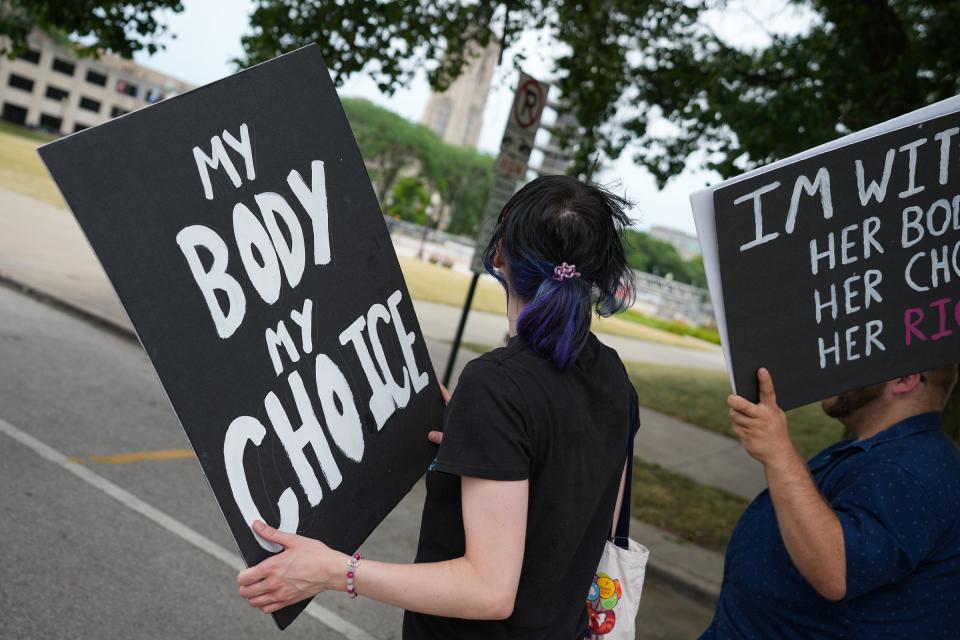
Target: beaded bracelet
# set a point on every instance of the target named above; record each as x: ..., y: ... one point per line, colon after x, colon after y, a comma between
x: 352, y: 565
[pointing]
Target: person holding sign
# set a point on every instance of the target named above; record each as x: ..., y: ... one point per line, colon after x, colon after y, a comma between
x: 864, y: 542
x: 532, y: 457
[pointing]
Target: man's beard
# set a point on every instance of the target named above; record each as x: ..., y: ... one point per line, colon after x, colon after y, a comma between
x: 845, y: 404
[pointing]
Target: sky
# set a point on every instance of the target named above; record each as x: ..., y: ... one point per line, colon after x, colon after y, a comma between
x: 206, y: 36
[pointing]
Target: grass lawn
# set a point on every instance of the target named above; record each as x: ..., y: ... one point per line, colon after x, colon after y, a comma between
x: 434, y: 283
x: 679, y: 328
x: 699, y: 397
x: 702, y: 515
x: 20, y: 167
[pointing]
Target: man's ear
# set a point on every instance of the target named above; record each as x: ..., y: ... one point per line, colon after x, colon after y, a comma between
x: 905, y: 384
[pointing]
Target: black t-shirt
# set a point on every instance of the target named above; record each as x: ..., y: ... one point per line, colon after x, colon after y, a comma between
x: 516, y: 416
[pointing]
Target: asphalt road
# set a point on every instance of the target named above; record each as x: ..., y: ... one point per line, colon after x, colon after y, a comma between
x: 95, y: 545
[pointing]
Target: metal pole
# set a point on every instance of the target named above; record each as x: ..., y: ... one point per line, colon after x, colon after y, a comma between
x: 455, y: 347
x: 423, y: 241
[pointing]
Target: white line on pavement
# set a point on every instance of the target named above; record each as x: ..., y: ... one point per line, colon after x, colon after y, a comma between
x: 232, y: 560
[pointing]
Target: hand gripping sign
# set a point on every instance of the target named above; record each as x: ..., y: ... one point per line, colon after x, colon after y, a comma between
x: 840, y: 267
x: 242, y: 235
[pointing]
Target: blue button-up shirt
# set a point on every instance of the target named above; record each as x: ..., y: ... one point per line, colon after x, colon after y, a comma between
x: 897, y: 496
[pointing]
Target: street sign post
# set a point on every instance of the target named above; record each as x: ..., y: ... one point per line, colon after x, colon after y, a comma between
x: 515, y: 147
x: 510, y: 168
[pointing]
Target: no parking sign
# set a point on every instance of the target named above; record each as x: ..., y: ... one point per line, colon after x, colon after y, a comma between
x: 515, y: 147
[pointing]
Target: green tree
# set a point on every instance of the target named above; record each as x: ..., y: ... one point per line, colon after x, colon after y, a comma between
x: 646, y: 253
x: 463, y: 178
x: 122, y: 28
x: 387, y: 141
x: 696, y: 272
x: 408, y: 201
x: 389, y: 144
x: 858, y: 63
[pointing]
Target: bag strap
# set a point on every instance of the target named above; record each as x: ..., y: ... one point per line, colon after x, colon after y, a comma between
x: 621, y: 497
x: 621, y: 528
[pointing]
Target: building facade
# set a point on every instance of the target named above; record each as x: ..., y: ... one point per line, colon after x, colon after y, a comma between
x: 49, y: 87
x: 685, y: 243
x: 456, y: 115
x: 550, y: 158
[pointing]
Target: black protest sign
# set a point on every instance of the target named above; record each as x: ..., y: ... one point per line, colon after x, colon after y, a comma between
x: 242, y: 235
x: 842, y: 269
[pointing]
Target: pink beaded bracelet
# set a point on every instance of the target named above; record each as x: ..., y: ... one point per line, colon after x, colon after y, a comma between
x: 352, y: 565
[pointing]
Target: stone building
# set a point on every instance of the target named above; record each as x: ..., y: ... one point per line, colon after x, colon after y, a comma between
x: 49, y: 87
x: 686, y: 244
x: 456, y: 115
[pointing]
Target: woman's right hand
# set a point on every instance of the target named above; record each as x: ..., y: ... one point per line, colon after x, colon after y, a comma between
x: 436, y: 437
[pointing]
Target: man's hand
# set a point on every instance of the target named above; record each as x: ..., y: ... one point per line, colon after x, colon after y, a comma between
x: 436, y: 437
x: 810, y: 529
x: 762, y: 427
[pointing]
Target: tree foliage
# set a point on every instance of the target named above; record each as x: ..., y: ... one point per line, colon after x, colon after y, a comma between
x: 858, y: 64
x: 391, y: 145
x: 626, y: 63
x: 122, y: 28
x: 649, y: 254
x: 408, y: 201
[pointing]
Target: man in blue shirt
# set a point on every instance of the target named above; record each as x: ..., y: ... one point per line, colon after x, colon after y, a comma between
x: 864, y: 542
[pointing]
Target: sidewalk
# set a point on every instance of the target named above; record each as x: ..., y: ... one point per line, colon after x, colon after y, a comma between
x: 701, y: 455
x: 43, y: 251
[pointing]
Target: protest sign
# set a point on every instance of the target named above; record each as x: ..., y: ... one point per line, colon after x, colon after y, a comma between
x: 239, y: 228
x: 840, y: 268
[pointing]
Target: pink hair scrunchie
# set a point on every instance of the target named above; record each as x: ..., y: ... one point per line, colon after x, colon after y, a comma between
x: 565, y: 271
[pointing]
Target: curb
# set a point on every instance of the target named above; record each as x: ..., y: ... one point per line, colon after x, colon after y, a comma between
x: 681, y: 579
x: 692, y: 571
x: 101, y: 322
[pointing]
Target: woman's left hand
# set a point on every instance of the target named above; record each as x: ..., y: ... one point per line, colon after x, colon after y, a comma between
x: 303, y: 569
x: 436, y: 437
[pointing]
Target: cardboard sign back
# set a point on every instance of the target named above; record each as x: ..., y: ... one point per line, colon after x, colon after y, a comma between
x: 839, y: 269
x: 239, y: 228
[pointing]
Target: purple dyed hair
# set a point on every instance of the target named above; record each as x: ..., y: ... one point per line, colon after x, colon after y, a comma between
x: 556, y: 219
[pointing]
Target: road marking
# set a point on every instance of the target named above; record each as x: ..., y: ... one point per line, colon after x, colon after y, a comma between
x: 345, y: 628
x: 139, y: 456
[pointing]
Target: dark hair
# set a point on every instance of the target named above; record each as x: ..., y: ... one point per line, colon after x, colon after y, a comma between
x: 552, y: 220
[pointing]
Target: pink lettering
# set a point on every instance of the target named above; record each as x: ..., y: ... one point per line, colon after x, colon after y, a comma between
x: 911, y: 318
x: 941, y: 304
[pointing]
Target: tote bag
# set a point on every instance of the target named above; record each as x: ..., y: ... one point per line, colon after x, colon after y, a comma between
x: 614, y: 596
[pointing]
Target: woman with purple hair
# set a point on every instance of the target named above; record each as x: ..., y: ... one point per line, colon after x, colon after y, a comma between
x: 534, y: 451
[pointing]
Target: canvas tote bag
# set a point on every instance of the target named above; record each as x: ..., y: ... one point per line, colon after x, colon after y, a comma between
x: 614, y: 595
